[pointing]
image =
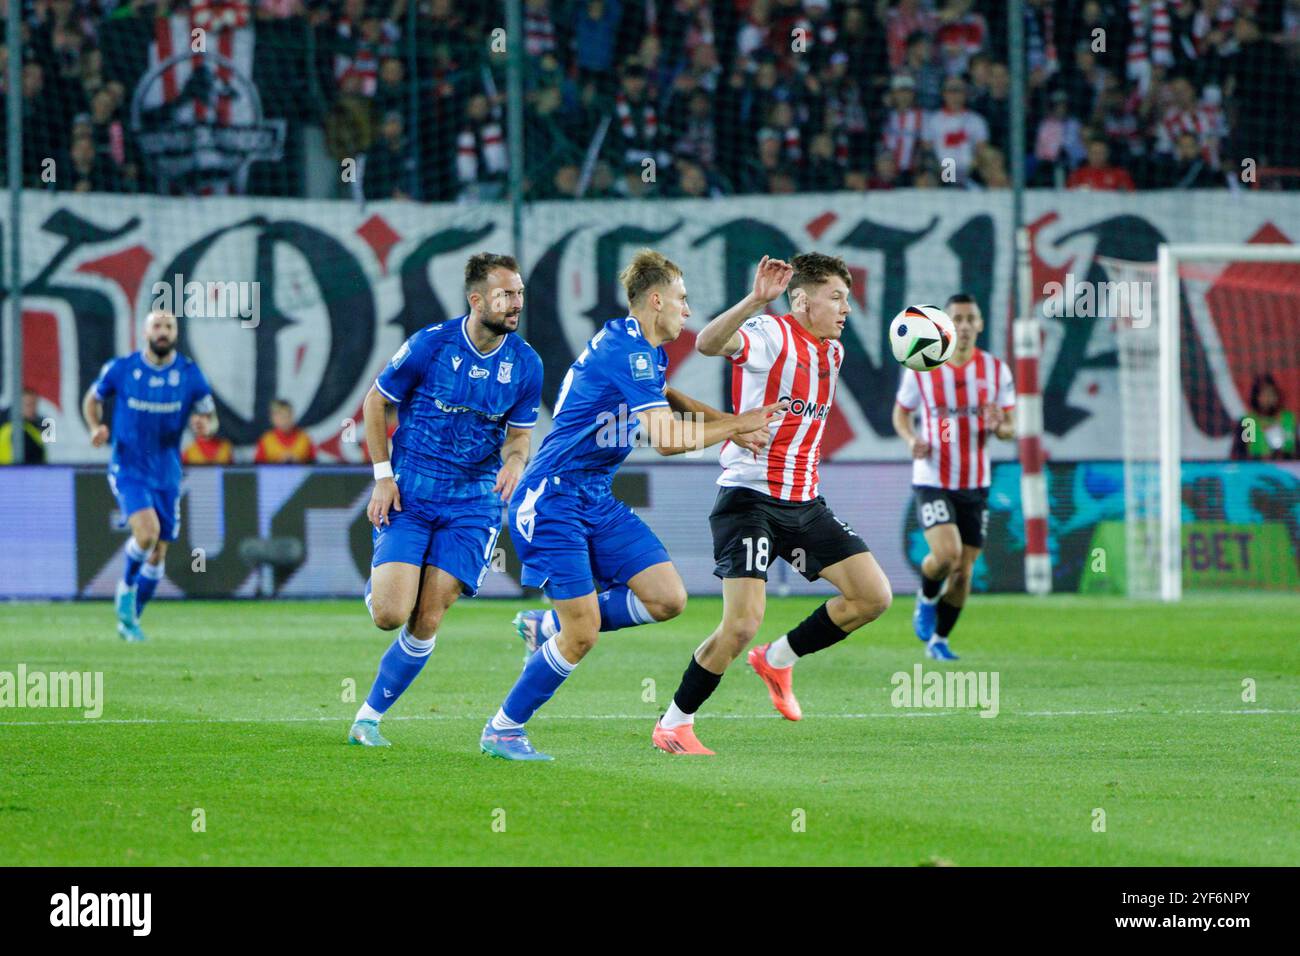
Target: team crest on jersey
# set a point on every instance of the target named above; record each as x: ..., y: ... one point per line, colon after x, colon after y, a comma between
x: 643, y: 366
x: 173, y: 378
x: 401, y: 355
x: 503, y: 372
x: 137, y: 375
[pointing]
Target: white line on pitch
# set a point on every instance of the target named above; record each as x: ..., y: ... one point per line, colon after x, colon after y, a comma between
x: 951, y: 712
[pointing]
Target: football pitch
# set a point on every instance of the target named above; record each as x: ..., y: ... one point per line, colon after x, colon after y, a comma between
x: 1121, y: 738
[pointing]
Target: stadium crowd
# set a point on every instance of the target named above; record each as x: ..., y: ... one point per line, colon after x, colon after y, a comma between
x: 698, y: 97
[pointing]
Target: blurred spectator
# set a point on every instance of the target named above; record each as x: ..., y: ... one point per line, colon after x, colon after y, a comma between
x: 1187, y: 169
x: 284, y: 442
x: 86, y: 170
x: 907, y: 21
x: 955, y: 131
x: 1268, y: 430
x: 994, y: 104
x: 1098, y: 173
x: 1058, y: 144
x: 823, y: 171
x: 389, y: 171
x: 206, y: 449
x: 904, y: 124
x: 33, y: 436
x: 692, y: 182
x: 595, y: 30
x: 927, y: 76
x: 634, y: 134
x: 481, y: 160
x: 349, y: 127
x: 962, y: 34
x: 539, y: 29
x: 989, y: 171
x: 884, y: 173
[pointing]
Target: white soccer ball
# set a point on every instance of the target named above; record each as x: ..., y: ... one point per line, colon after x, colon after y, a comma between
x: 922, y: 337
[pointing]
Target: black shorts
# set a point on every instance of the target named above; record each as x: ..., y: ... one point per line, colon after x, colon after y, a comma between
x: 967, y: 508
x: 750, y: 528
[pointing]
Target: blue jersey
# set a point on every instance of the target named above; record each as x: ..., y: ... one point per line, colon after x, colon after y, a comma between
x: 455, y: 403
x: 151, y: 411
x: 617, y: 375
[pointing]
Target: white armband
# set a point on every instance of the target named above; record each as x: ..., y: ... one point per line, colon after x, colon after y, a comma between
x: 383, y: 469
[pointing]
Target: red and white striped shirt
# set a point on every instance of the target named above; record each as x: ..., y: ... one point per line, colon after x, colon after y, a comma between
x: 950, y: 398
x: 902, y: 136
x: 780, y: 359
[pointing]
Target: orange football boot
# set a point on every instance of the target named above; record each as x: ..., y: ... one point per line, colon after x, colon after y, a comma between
x: 777, y: 680
x: 679, y: 740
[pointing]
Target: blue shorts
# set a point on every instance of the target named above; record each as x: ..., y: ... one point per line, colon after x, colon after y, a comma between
x: 133, y: 495
x: 456, y: 537
x: 573, y: 543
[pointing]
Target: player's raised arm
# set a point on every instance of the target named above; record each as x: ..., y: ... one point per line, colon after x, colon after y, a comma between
x: 669, y: 434
x: 722, y: 336
x: 385, y: 495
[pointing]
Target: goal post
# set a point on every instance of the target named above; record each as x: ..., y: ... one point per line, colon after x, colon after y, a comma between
x: 1151, y: 375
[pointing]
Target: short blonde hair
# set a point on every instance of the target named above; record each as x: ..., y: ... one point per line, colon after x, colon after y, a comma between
x: 647, y: 270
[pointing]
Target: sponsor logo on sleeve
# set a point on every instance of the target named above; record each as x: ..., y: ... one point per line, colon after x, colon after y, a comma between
x: 643, y: 366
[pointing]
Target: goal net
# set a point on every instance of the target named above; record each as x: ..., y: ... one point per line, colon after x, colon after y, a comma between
x: 1208, y: 351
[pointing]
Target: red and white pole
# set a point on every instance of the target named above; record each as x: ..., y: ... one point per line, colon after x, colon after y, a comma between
x: 1027, y: 342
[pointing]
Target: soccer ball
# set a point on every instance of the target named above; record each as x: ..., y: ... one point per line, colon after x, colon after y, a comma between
x: 922, y: 337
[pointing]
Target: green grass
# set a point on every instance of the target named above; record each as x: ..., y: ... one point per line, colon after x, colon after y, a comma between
x: 237, y: 708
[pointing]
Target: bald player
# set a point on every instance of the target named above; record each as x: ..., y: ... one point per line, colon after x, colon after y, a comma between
x: 154, y: 392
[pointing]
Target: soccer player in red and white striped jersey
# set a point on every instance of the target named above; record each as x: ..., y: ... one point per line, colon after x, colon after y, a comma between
x: 769, y: 505
x: 961, y: 403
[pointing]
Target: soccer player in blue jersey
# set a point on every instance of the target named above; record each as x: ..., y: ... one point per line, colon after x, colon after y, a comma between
x: 467, y: 391
x: 154, y: 392
x: 600, y: 564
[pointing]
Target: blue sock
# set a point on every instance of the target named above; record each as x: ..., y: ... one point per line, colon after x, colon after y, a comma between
x: 400, y: 665
x: 146, y: 584
x: 135, y: 556
x: 542, y: 676
x: 620, y: 608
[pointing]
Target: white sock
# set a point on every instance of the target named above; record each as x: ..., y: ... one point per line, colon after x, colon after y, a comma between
x: 415, y: 646
x: 936, y: 639
x: 154, y: 571
x: 368, y: 713
x: 550, y: 625
x: 673, y: 717
x: 502, y: 722
x: 134, y: 551
x: 780, y: 654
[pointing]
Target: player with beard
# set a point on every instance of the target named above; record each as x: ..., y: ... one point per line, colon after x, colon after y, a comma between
x: 154, y: 391
x: 770, y: 504
x: 467, y: 392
